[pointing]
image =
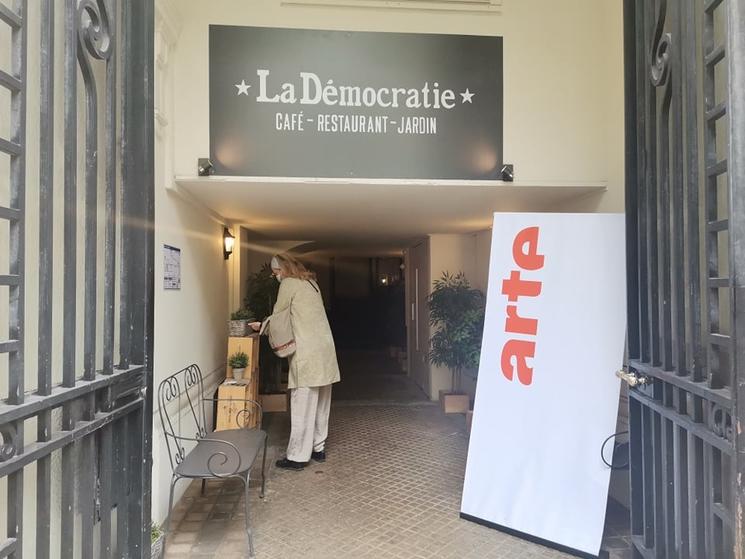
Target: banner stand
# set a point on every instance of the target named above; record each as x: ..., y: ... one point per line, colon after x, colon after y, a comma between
x: 547, y: 396
x: 529, y: 538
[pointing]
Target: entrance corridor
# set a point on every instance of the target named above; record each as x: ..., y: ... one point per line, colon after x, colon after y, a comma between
x: 374, y: 377
x: 390, y: 488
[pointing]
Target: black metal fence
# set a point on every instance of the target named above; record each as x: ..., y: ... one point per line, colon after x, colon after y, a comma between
x: 685, y: 90
x: 76, y: 415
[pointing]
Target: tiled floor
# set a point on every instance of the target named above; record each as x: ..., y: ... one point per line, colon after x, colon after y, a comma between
x: 617, y: 537
x: 374, y: 377
x: 390, y: 488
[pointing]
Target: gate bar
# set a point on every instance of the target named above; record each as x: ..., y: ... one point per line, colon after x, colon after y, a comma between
x: 10, y: 17
x: 650, y: 204
x: 69, y: 453
x: 16, y: 369
x: 736, y: 47
x: 46, y: 265
x: 110, y: 199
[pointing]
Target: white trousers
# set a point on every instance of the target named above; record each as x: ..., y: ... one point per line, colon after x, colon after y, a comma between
x: 309, y: 418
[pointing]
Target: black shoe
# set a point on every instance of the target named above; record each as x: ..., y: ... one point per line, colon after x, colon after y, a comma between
x: 289, y: 464
x: 319, y: 456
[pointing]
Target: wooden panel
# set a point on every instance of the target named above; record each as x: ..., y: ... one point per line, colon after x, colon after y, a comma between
x: 247, y: 344
x: 274, y: 402
x: 232, y: 411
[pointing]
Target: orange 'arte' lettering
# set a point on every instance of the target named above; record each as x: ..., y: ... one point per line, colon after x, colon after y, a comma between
x: 519, y: 350
x: 529, y: 260
x: 515, y: 353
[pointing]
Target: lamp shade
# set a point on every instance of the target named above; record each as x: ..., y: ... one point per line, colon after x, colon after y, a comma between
x: 228, y: 242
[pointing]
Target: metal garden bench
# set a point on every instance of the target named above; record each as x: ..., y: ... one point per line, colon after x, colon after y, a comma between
x: 222, y: 454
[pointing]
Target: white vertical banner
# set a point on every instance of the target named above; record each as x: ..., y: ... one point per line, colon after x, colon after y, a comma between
x: 547, y: 395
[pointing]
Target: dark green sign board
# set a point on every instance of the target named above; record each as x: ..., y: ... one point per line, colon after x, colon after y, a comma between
x: 335, y: 104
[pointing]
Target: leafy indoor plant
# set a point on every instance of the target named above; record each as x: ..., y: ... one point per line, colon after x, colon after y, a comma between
x: 238, y: 363
x: 456, y: 312
x: 261, y: 294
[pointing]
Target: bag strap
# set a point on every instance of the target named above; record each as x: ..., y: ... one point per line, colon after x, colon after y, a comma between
x: 265, y: 324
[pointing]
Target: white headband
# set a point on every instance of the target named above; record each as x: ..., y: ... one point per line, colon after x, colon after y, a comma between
x: 275, y: 263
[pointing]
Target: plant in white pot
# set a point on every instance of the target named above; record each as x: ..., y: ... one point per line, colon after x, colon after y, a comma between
x: 456, y: 312
x: 238, y: 363
x: 238, y: 323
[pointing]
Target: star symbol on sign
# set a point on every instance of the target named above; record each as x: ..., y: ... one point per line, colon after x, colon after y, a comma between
x: 467, y: 95
x: 243, y: 88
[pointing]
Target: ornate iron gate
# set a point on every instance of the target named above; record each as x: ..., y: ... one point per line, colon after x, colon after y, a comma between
x: 77, y: 215
x: 685, y: 91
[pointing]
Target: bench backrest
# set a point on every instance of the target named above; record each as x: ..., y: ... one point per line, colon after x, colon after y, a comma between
x: 186, y: 387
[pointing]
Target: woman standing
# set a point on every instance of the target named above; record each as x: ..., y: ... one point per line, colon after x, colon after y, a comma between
x: 313, y: 366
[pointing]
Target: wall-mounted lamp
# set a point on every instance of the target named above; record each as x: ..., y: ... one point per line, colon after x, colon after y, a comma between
x: 205, y: 167
x: 228, y: 241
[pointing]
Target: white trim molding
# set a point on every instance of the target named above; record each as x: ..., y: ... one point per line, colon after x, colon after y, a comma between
x: 168, y: 21
x: 468, y: 6
x: 168, y: 25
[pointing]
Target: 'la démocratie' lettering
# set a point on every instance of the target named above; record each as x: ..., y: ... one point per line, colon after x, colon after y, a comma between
x: 313, y: 91
x: 516, y: 352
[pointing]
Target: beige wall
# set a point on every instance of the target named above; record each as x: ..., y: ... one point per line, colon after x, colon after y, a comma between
x: 563, y: 96
x: 611, y: 126
x: 190, y: 323
x: 458, y: 253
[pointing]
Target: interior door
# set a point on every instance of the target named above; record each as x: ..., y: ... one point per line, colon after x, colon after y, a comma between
x: 685, y: 77
x: 417, y: 315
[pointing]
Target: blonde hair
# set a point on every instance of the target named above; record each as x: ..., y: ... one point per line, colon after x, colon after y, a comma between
x: 292, y: 267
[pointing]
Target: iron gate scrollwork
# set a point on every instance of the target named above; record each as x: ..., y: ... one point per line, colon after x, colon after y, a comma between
x: 82, y: 394
x: 685, y: 88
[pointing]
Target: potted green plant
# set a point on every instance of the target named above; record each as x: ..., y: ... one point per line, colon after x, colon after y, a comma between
x: 157, y: 536
x: 261, y: 294
x: 238, y: 363
x: 238, y: 323
x: 456, y: 313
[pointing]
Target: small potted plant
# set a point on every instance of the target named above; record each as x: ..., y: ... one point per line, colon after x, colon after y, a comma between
x: 156, y: 541
x: 238, y: 323
x: 238, y: 363
x: 456, y: 313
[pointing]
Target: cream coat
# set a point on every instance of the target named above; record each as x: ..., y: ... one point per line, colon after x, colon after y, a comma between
x: 314, y: 361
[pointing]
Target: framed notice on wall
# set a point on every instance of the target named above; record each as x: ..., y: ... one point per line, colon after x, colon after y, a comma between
x: 337, y: 104
x: 171, y: 267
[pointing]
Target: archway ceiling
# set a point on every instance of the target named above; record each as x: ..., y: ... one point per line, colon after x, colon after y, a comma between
x: 380, y: 215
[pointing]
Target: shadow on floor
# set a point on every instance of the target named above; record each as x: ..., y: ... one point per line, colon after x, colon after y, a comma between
x: 374, y: 376
x: 617, y: 536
